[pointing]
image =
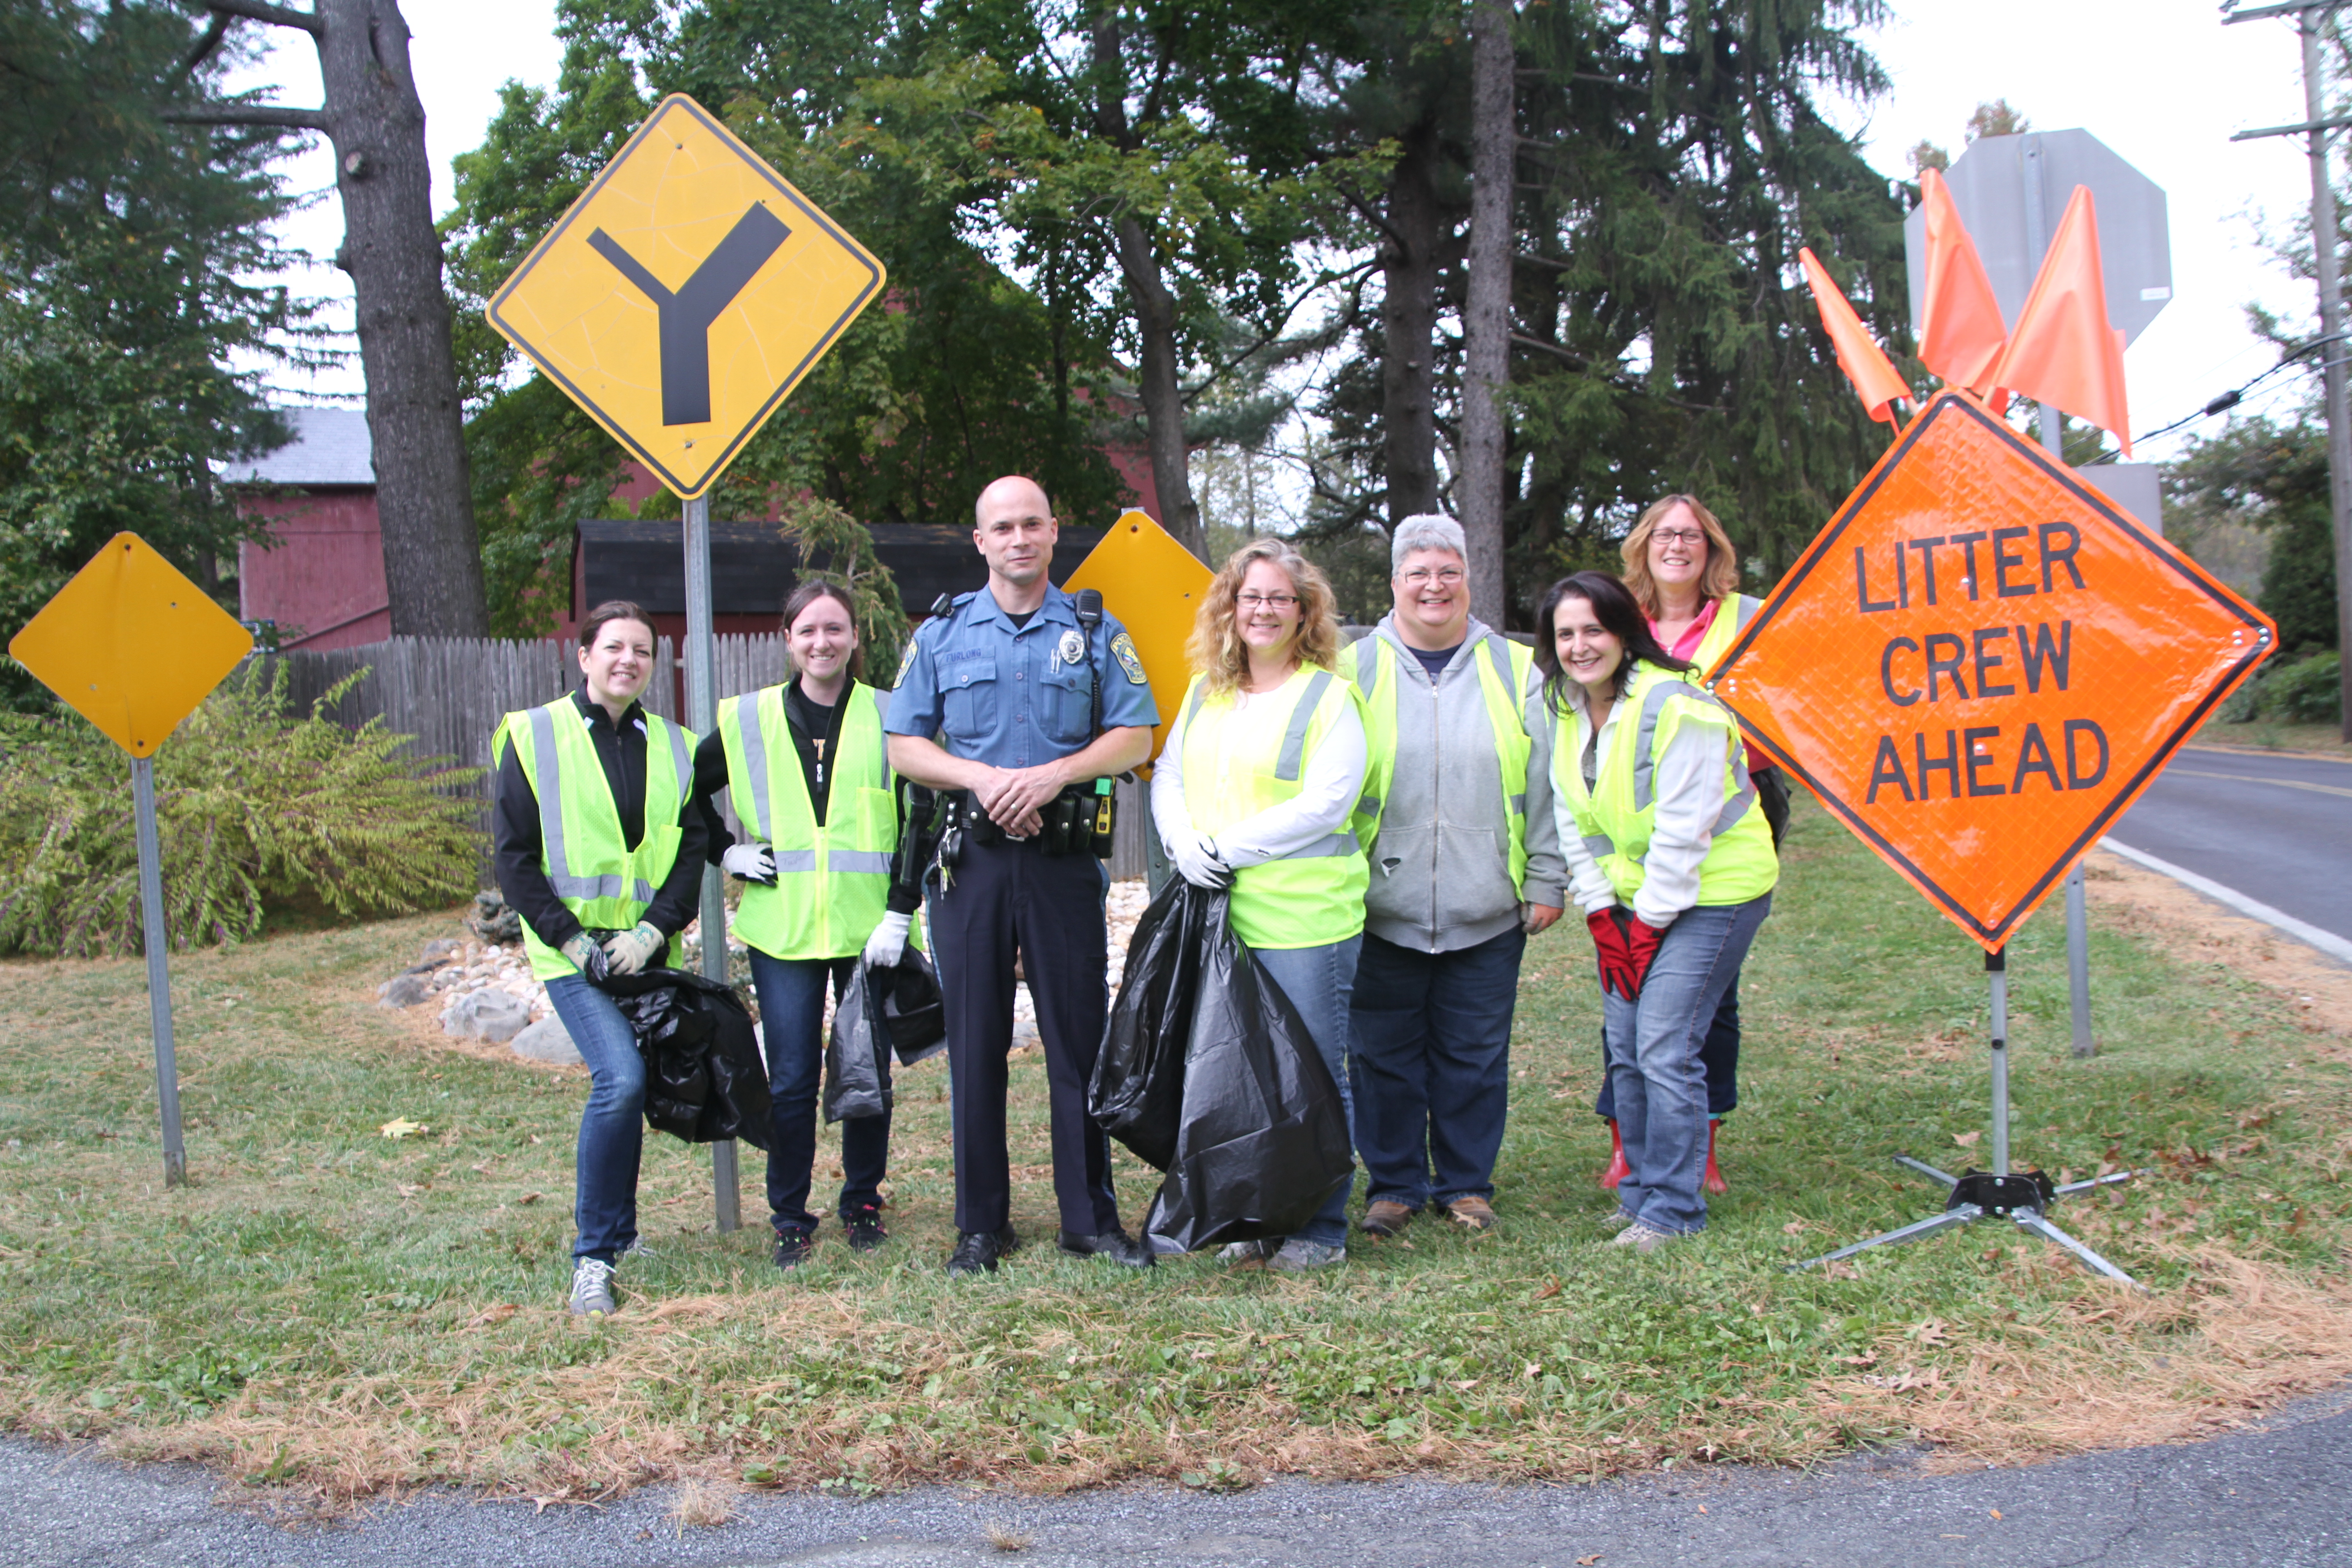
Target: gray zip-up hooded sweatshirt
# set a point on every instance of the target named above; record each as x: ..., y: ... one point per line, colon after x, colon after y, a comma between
x: 1441, y: 867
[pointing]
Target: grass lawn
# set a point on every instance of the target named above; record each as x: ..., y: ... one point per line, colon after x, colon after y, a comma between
x: 2276, y: 735
x: 334, y: 1310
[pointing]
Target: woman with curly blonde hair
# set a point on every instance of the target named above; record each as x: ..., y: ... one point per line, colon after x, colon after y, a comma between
x: 1255, y: 791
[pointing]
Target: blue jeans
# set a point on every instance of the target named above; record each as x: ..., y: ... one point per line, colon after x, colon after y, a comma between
x: 792, y: 1020
x: 612, y: 1127
x: 1318, y: 980
x: 1718, y: 1054
x: 1654, y: 1060
x: 1432, y: 1063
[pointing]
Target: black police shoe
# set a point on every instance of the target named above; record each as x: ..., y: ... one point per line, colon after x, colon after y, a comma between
x: 1116, y: 1245
x: 793, y: 1248
x: 976, y: 1251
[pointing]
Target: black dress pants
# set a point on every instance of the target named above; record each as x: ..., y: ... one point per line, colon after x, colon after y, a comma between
x: 1007, y: 897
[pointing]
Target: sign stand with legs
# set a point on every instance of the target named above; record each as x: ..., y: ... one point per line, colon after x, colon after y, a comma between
x: 2024, y: 1196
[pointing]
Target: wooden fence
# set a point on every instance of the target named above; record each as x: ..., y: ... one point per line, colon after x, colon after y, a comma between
x: 450, y: 693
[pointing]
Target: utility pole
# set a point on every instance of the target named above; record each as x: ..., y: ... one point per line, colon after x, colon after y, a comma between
x: 2310, y: 16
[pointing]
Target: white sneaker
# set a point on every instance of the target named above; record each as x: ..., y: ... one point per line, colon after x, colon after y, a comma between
x: 1245, y: 1251
x: 1618, y: 1221
x: 591, y: 1288
x: 1643, y: 1237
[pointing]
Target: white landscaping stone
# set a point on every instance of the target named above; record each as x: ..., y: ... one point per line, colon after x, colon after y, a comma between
x: 490, y: 1016
x: 547, y: 1041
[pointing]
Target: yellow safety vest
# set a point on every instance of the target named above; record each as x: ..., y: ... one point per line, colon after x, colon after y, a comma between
x: 1731, y: 618
x: 831, y: 882
x: 1240, y: 761
x: 1615, y: 818
x: 1503, y: 666
x: 605, y: 884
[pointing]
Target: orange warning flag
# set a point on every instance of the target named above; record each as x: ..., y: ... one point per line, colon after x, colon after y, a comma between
x: 2064, y: 354
x: 1963, y: 335
x: 1858, y: 353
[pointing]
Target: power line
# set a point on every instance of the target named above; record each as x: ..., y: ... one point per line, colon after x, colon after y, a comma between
x: 2229, y: 399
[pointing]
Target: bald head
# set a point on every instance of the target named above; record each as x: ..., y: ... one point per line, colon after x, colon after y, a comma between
x: 1014, y: 527
x: 1025, y: 497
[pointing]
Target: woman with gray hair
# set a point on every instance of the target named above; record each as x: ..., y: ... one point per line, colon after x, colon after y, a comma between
x: 1255, y: 791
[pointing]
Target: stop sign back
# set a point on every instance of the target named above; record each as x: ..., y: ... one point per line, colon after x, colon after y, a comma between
x: 1982, y: 661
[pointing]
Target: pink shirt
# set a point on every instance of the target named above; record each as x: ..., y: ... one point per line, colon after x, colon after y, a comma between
x: 1687, y: 645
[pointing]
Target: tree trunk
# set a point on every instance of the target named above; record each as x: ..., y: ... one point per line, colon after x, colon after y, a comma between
x: 432, y: 556
x: 1155, y: 311
x: 1409, y: 267
x: 1486, y: 313
x: 1163, y: 397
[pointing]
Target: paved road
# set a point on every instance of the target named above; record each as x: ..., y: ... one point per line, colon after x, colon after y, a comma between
x: 2271, y: 1495
x: 2276, y: 828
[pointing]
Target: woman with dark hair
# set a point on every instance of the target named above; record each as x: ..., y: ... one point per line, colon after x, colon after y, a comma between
x: 812, y: 784
x: 599, y: 851
x: 1681, y: 568
x: 1256, y: 790
x: 1673, y: 866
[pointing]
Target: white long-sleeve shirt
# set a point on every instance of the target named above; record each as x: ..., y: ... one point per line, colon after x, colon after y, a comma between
x: 1330, y: 783
x: 1688, y: 781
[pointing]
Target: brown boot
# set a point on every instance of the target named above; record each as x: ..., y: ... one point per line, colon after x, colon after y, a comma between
x: 1472, y: 1213
x: 1385, y: 1218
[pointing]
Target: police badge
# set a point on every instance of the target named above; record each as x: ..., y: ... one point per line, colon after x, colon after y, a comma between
x: 1073, y: 649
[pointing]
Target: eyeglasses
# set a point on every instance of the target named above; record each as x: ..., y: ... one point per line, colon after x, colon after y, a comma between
x: 1420, y: 576
x: 1265, y: 601
x: 1679, y: 535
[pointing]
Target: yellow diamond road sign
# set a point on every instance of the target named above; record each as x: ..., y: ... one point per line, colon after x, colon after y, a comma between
x: 130, y: 645
x: 685, y: 294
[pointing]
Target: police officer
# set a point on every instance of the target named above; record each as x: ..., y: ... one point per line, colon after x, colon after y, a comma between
x: 1031, y: 709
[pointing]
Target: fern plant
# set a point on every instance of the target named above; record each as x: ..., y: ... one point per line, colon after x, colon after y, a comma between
x: 254, y: 807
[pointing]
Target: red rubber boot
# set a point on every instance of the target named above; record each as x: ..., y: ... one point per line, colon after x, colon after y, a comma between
x: 1618, y: 1170
x: 1713, y: 1180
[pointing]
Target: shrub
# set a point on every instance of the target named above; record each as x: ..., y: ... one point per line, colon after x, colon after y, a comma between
x: 255, y: 807
x: 2308, y: 692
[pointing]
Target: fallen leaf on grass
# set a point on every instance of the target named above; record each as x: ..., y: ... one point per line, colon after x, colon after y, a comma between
x: 1967, y: 1140
x: 405, y: 1190
x: 498, y: 1313
x: 530, y: 1197
x: 1549, y: 1291
x: 400, y: 1127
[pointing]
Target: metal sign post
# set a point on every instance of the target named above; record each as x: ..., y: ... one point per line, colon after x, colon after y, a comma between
x: 702, y: 717
x: 155, y: 939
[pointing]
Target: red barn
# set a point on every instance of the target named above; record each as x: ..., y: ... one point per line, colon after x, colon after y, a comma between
x: 321, y: 578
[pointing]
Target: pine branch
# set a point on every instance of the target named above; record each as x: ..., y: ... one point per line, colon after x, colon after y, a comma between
x: 310, y: 22
x: 268, y: 114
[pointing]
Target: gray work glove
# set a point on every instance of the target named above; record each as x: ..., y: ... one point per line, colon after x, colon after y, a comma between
x: 751, y: 863
x: 1195, y: 855
x: 582, y: 949
x: 631, y: 950
x: 887, y: 945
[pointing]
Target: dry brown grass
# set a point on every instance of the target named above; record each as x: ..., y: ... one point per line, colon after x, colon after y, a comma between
x: 701, y: 1503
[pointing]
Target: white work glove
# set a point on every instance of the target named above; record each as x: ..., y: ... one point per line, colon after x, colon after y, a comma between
x: 1195, y: 855
x: 586, y: 956
x: 887, y: 945
x: 751, y: 863
x: 630, y: 951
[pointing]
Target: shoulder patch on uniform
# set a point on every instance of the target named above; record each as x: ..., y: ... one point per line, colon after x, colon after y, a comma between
x: 906, y: 663
x: 1122, y: 649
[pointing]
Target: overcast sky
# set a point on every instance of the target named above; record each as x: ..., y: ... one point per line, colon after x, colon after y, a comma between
x: 2162, y: 82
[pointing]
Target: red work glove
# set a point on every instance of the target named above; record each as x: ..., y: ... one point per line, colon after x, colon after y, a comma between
x: 1641, y: 940
x: 1617, y: 973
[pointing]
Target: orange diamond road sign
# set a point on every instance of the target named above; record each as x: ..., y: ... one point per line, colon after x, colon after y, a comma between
x: 684, y: 294
x: 130, y: 645
x: 1153, y: 585
x: 1981, y: 662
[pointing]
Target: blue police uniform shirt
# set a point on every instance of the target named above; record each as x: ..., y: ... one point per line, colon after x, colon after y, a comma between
x: 1009, y: 696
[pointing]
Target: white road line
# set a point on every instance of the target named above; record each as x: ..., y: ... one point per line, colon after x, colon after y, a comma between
x: 2328, y: 943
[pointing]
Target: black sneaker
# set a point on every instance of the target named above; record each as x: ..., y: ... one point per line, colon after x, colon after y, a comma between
x: 1116, y: 1245
x: 865, y: 1228
x: 792, y: 1248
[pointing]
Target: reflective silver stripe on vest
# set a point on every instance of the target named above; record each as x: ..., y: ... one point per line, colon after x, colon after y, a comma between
x: 1652, y: 705
x: 862, y: 862
x: 682, y: 762
x: 1293, y: 739
x: 1743, y: 610
x: 1367, y: 665
x: 1519, y: 805
x: 1598, y: 844
x: 755, y: 764
x: 1199, y: 695
x: 1330, y: 843
x: 548, y: 779
x: 1368, y: 805
x: 789, y: 861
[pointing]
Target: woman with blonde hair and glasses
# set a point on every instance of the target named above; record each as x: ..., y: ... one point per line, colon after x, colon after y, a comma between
x: 1683, y: 572
x: 1254, y: 792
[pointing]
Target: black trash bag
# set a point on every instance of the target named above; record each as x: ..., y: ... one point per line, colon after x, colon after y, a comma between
x: 1136, y: 1089
x: 1208, y: 1073
x: 704, y: 1078
x: 913, y: 1010
x: 858, y: 1052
